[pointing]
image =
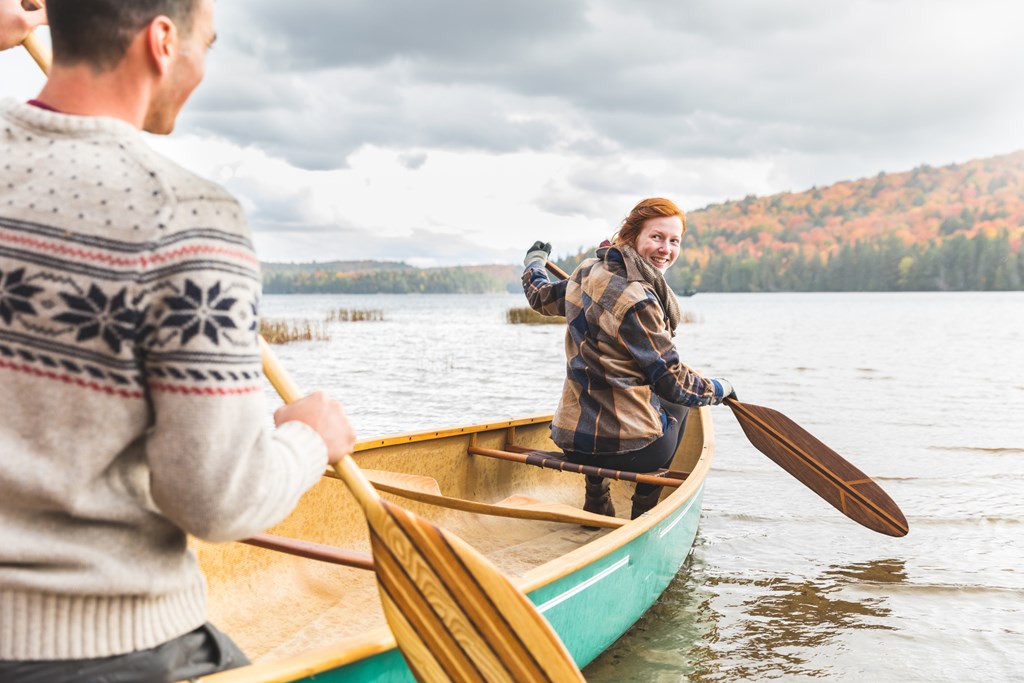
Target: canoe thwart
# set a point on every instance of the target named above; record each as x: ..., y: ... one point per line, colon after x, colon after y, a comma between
x: 556, y: 461
x: 426, y: 490
x: 311, y: 550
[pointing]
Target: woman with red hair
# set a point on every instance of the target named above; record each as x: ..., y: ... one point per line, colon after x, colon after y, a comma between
x: 626, y: 393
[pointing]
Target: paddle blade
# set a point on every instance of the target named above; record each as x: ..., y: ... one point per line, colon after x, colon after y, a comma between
x: 820, y: 468
x: 454, y: 615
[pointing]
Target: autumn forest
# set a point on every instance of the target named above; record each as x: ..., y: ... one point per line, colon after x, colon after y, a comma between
x: 956, y: 227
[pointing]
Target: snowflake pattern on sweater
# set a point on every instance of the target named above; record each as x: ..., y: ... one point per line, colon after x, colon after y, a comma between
x: 122, y: 302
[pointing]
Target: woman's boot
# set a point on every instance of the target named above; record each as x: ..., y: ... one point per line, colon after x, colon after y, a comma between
x: 599, y: 498
x: 643, y: 503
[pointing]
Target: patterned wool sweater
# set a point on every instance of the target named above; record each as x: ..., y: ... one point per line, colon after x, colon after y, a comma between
x: 131, y: 403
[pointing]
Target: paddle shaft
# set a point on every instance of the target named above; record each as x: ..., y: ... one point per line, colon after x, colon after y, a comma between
x: 290, y: 392
x: 550, y: 265
x: 36, y: 48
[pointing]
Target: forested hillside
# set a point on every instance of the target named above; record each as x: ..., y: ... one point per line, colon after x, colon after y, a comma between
x: 956, y: 227
x: 950, y: 228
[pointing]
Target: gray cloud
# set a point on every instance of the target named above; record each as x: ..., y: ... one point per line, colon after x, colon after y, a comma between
x: 332, y: 33
x: 705, y: 78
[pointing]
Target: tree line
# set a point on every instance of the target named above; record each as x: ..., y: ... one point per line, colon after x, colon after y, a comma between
x: 981, y: 262
x: 406, y: 281
x: 959, y: 263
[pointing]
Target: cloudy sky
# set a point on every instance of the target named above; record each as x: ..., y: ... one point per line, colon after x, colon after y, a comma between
x: 458, y: 131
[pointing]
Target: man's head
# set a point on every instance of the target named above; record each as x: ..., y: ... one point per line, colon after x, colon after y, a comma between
x: 164, y: 40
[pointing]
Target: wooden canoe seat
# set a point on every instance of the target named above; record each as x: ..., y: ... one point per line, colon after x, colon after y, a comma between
x: 556, y: 461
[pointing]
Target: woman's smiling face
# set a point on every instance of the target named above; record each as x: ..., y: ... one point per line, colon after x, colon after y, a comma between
x: 659, y: 240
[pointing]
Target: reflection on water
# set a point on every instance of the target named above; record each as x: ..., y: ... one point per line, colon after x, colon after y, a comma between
x: 772, y: 629
x: 787, y: 619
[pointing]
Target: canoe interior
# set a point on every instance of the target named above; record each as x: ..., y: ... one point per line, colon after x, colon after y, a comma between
x: 276, y: 605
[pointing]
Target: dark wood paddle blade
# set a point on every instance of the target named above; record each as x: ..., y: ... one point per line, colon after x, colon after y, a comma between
x: 453, y: 614
x: 820, y: 468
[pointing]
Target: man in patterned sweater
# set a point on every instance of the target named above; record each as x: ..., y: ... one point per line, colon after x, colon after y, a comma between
x: 131, y: 404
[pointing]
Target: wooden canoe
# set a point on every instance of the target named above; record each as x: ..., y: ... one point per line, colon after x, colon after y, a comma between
x: 302, y: 619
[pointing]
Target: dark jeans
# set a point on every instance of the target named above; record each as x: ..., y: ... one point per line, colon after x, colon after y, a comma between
x: 653, y: 456
x: 203, y: 651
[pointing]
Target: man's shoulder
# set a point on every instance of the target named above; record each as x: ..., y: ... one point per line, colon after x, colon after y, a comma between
x: 185, y: 200
x: 185, y: 187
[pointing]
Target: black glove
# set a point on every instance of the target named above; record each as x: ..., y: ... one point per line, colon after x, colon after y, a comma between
x: 539, y: 250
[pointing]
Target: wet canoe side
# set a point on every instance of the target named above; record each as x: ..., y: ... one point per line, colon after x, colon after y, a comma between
x: 591, y: 594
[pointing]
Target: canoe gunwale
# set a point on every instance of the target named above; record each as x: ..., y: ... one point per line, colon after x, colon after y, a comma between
x: 378, y: 641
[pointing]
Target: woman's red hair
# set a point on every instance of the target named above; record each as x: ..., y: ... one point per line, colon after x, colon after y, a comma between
x: 648, y: 208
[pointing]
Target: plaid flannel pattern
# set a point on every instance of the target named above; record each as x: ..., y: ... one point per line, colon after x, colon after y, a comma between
x: 621, y: 361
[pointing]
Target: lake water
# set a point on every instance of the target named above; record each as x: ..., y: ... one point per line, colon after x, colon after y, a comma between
x: 922, y: 391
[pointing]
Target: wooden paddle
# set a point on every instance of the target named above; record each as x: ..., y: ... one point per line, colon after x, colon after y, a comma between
x: 453, y: 614
x: 813, y: 463
x: 37, y: 48
x: 820, y: 468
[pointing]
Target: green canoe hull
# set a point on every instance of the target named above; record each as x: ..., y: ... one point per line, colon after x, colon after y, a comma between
x: 590, y: 608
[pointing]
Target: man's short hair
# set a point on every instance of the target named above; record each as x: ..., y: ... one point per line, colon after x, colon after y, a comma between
x: 98, y: 32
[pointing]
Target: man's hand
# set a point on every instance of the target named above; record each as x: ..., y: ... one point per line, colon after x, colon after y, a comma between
x: 326, y: 417
x: 539, y: 250
x: 17, y: 20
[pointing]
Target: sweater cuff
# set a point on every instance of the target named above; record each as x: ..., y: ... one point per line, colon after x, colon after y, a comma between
x: 306, y: 445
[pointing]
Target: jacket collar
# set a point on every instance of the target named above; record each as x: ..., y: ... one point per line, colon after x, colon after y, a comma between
x: 612, y: 255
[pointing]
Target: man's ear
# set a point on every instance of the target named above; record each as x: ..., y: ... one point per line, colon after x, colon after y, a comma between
x: 162, y: 42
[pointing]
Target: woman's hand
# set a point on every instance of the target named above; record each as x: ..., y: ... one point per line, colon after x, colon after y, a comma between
x: 539, y: 250
x: 727, y: 390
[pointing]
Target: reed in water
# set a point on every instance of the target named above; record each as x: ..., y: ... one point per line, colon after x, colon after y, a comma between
x: 528, y: 316
x: 354, y: 314
x: 284, y: 331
